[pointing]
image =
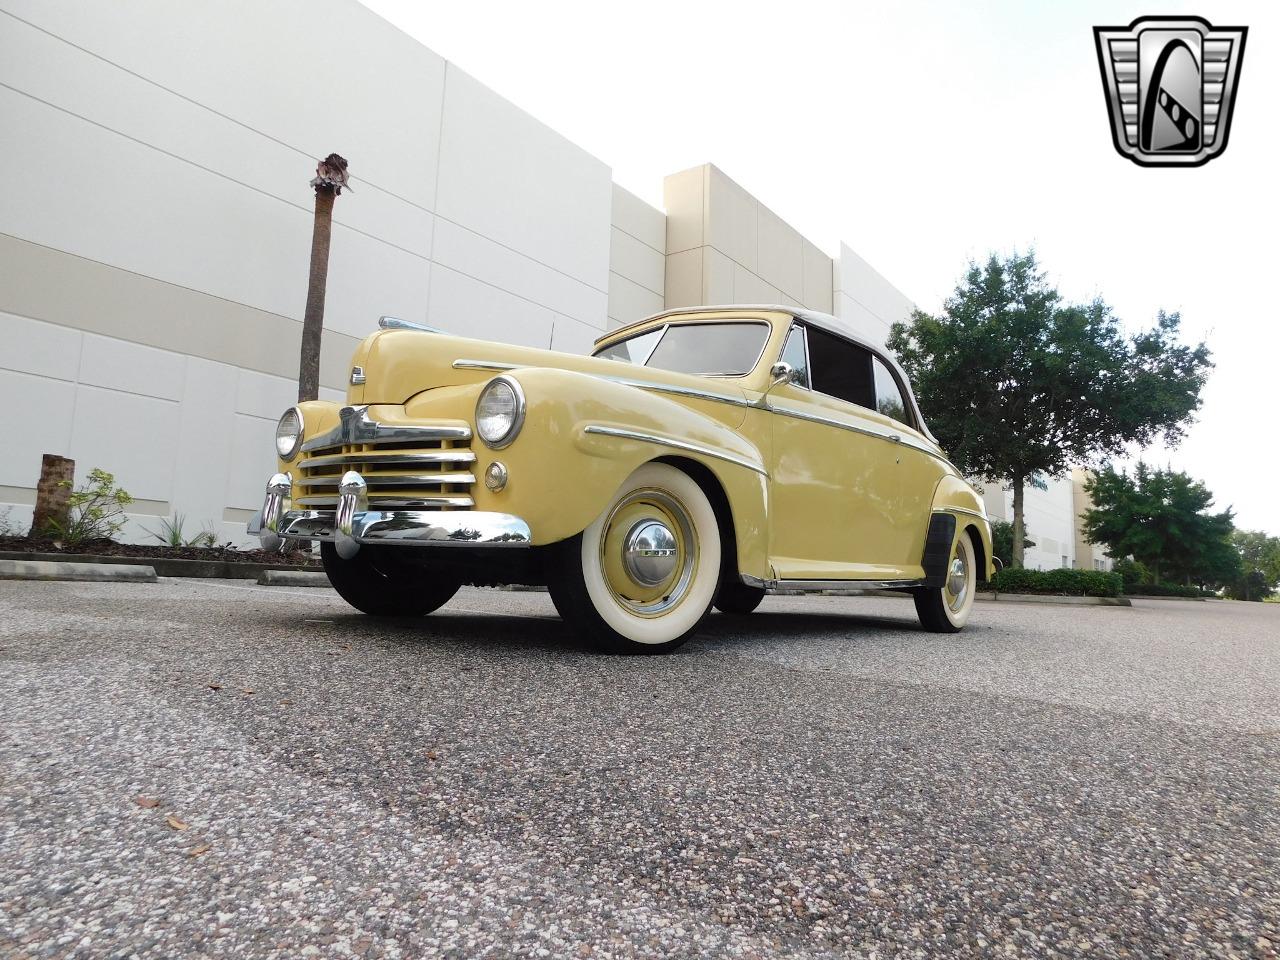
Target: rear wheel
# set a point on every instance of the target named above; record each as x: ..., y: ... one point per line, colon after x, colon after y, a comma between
x: 641, y: 577
x: 946, y: 609
x: 381, y: 584
x: 738, y: 598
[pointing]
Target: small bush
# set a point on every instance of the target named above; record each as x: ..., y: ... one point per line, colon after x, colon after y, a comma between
x: 1165, y: 590
x: 7, y: 529
x: 1064, y: 581
x: 1133, y: 572
x: 96, y: 511
x: 171, y: 533
x: 1002, y: 540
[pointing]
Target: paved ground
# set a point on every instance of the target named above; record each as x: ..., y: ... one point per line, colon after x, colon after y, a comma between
x: 820, y: 779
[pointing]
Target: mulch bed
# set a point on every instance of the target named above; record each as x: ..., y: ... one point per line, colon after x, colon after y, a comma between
x: 109, y: 548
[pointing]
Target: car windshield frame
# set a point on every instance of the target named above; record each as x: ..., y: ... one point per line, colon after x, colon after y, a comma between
x: 666, y: 328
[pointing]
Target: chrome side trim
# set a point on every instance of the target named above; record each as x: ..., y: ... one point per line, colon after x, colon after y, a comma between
x: 677, y: 391
x: 866, y: 431
x: 625, y: 381
x: 675, y: 444
x: 412, y: 528
x: 395, y: 323
x: 964, y: 510
x: 357, y: 427
x: 389, y: 459
x: 831, y: 586
x: 486, y: 365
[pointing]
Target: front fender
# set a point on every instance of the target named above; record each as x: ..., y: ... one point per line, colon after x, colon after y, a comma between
x: 583, y: 436
x: 954, y: 495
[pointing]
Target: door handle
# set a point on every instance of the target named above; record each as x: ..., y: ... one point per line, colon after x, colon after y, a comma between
x: 895, y: 437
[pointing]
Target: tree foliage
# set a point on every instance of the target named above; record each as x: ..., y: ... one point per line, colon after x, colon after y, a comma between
x: 1259, y: 565
x: 1162, y: 519
x: 1014, y: 382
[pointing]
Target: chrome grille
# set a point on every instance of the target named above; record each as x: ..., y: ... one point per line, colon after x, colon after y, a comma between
x: 414, y: 467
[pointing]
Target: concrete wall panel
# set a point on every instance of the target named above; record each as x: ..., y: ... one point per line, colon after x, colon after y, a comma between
x: 549, y: 200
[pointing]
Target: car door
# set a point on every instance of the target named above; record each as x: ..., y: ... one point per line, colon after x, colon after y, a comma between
x: 842, y: 506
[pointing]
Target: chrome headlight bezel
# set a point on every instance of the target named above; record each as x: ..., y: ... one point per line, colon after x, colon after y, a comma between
x: 287, y: 453
x: 515, y: 420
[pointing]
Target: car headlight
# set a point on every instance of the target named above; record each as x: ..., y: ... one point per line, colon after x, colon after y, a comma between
x: 500, y: 412
x: 289, y: 434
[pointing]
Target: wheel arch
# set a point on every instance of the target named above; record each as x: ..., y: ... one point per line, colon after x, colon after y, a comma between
x: 706, y: 478
x: 979, y: 549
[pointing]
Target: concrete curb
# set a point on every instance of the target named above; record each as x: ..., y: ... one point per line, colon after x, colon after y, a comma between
x: 84, y: 572
x: 1054, y: 598
x: 1140, y: 596
x: 163, y: 566
x: 293, y: 578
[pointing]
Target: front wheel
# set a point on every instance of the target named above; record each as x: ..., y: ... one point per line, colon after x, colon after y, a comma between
x: 382, y: 584
x: 642, y: 576
x: 946, y: 609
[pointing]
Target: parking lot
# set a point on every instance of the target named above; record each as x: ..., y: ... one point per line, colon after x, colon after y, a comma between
x: 204, y: 768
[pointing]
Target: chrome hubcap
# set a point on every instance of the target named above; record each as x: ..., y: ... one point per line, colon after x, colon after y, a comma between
x: 649, y: 554
x: 957, y: 582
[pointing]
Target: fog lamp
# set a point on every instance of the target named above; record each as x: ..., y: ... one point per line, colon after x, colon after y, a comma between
x: 495, y: 476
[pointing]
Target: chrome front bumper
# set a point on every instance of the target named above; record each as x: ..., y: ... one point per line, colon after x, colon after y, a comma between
x: 353, y: 523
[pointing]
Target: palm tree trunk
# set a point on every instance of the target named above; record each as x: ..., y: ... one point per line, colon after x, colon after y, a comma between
x: 313, y: 318
x: 1019, y: 526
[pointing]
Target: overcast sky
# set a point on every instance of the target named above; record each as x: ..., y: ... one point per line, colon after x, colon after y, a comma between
x: 924, y: 134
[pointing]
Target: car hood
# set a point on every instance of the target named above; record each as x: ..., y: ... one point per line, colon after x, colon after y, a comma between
x: 398, y: 364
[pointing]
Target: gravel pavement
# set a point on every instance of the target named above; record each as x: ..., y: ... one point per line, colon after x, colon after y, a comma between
x: 212, y: 769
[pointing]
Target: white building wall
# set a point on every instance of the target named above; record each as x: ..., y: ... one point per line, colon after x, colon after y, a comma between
x: 1050, y: 517
x: 724, y: 246
x: 154, y: 257
x: 637, y: 259
x: 865, y: 300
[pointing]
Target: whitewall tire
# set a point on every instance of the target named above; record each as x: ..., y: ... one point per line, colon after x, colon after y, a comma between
x: 643, y: 575
x: 946, y: 609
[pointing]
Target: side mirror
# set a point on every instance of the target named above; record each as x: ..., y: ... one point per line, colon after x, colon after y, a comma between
x: 780, y: 372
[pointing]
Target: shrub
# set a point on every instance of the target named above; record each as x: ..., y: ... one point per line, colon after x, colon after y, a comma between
x: 1064, y: 581
x: 1166, y: 590
x: 1133, y: 572
x: 7, y: 529
x: 1002, y: 540
x: 171, y: 533
x: 96, y: 510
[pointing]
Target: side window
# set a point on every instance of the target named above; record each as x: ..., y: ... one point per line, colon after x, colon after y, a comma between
x: 840, y: 369
x: 794, y: 353
x: 889, y: 398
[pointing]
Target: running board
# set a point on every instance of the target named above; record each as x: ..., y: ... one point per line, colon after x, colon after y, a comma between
x: 843, y: 587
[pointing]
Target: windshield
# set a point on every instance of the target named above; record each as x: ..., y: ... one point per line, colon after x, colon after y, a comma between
x: 709, y: 349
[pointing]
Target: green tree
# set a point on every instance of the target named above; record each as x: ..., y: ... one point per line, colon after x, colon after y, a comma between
x: 1259, y: 565
x: 1161, y: 518
x: 1002, y: 540
x: 1015, y: 383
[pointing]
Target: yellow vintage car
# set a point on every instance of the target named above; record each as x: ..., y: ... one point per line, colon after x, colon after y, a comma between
x: 698, y: 458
